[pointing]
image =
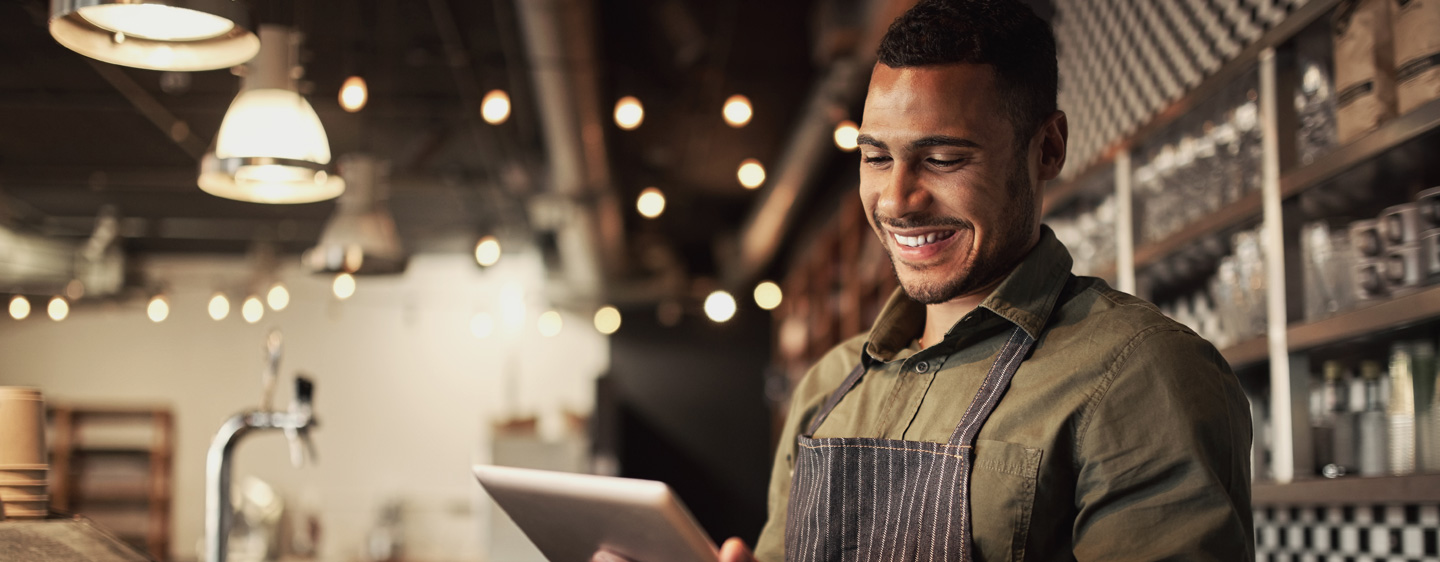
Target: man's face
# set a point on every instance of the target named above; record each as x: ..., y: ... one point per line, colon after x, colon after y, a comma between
x: 944, y: 183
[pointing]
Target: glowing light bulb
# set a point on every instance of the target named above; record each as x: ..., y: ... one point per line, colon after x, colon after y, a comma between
x: 751, y: 173
x: 607, y: 320
x: 278, y: 298
x: 768, y: 295
x: 846, y: 135
x: 344, y: 286
x: 158, y: 309
x: 737, y: 111
x: 629, y: 113
x: 19, y: 307
x: 482, y: 325
x: 58, y: 309
x: 549, y: 324
x: 219, y: 307
x: 252, y: 310
x: 487, y: 251
x: 354, y: 94
x: 720, y: 306
x: 495, y: 108
x: 650, y: 203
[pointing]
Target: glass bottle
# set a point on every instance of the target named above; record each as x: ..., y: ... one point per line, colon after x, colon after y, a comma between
x: 1427, y: 454
x: 1372, y: 423
x: 1341, y: 422
x: 1400, y: 410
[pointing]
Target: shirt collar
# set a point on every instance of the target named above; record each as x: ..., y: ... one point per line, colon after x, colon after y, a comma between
x: 1025, y: 298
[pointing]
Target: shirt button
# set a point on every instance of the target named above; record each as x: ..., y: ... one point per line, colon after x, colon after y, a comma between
x: 922, y: 367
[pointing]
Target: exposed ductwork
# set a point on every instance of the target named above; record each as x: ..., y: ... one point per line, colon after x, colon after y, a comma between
x: 810, y: 143
x: 39, y: 265
x: 561, y: 49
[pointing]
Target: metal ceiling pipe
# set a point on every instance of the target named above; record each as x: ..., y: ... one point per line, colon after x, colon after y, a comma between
x: 560, y: 46
x: 809, y: 146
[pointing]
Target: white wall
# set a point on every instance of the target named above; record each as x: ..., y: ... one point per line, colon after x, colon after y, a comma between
x: 405, y: 394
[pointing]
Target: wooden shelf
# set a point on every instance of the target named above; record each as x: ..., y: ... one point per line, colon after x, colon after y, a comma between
x: 1248, y: 352
x: 1400, y: 130
x: 1245, y: 208
x: 1381, y: 316
x: 1349, y: 490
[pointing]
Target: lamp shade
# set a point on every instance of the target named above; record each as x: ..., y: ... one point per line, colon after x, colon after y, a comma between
x: 176, y: 35
x: 271, y: 147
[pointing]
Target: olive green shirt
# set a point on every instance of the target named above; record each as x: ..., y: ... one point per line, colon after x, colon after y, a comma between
x: 1124, y: 436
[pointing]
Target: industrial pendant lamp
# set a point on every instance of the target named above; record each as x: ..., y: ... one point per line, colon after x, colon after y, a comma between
x: 360, y: 237
x: 271, y: 147
x: 176, y: 35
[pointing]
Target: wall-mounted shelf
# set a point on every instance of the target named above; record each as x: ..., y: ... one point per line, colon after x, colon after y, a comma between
x: 1397, y: 131
x: 1241, y: 210
x: 1349, y: 490
x: 1380, y: 316
x: 1247, y: 353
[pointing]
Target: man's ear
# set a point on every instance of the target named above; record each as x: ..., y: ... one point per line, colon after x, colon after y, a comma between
x: 1054, y: 137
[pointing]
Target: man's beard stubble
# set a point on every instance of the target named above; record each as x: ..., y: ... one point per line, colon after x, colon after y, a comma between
x: 983, y: 269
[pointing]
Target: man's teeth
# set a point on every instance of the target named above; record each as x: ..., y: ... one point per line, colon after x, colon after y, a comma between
x: 921, y: 240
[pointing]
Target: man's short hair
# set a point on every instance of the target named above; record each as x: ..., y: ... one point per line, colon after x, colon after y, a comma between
x: 1005, y: 34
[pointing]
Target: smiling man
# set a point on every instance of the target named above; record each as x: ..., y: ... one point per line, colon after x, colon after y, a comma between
x: 1000, y: 408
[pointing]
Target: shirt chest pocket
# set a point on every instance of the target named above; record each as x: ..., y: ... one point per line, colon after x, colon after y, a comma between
x: 1002, y: 497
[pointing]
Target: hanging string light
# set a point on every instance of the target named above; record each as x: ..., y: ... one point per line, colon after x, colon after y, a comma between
x: 58, y: 309
x: 353, y: 94
x: 495, y: 108
x: 847, y: 135
x: 19, y: 307
x: 720, y: 306
x: 158, y: 309
x: 751, y: 173
x: 737, y: 111
x: 219, y: 307
x: 629, y: 113
x: 651, y: 203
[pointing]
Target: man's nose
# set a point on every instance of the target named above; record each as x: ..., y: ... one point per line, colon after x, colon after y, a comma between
x: 902, y: 193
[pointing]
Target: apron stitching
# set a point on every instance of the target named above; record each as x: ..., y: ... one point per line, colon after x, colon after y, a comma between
x: 886, y: 448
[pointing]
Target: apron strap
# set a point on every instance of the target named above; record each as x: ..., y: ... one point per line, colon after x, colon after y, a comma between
x: 996, y: 382
x: 835, y: 397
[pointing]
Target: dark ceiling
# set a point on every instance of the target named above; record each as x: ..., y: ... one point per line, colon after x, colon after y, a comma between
x: 78, y: 135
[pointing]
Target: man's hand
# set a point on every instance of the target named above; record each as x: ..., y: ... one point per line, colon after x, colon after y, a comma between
x: 734, y: 550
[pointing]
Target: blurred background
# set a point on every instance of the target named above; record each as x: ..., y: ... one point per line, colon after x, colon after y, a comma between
x: 609, y: 236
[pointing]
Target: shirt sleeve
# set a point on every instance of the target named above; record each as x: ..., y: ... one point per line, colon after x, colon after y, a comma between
x: 1163, y: 463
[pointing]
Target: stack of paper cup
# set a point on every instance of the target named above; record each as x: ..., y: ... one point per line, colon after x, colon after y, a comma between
x: 23, y: 465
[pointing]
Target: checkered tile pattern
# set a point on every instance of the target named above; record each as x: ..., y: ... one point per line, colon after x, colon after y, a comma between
x: 1351, y: 533
x: 1122, y: 61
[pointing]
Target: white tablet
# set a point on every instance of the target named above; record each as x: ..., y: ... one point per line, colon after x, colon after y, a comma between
x: 571, y: 516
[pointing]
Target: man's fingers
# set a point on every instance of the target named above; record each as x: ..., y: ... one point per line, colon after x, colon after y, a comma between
x: 734, y: 550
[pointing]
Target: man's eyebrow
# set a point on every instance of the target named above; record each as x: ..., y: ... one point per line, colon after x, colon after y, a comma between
x: 870, y: 141
x: 944, y: 140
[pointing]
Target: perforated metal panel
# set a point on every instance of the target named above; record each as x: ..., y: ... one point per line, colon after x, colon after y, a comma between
x: 1122, y: 61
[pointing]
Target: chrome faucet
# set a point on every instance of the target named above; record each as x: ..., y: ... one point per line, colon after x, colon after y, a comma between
x: 295, y: 422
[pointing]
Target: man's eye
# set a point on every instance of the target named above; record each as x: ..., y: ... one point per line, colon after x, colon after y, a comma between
x: 946, y: 161
x: 876, y: 159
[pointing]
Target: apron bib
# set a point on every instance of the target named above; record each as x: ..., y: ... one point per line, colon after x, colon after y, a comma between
x: 863, y: 499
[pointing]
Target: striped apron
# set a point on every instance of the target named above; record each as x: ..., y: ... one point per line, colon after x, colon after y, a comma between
x: 868, y: 499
